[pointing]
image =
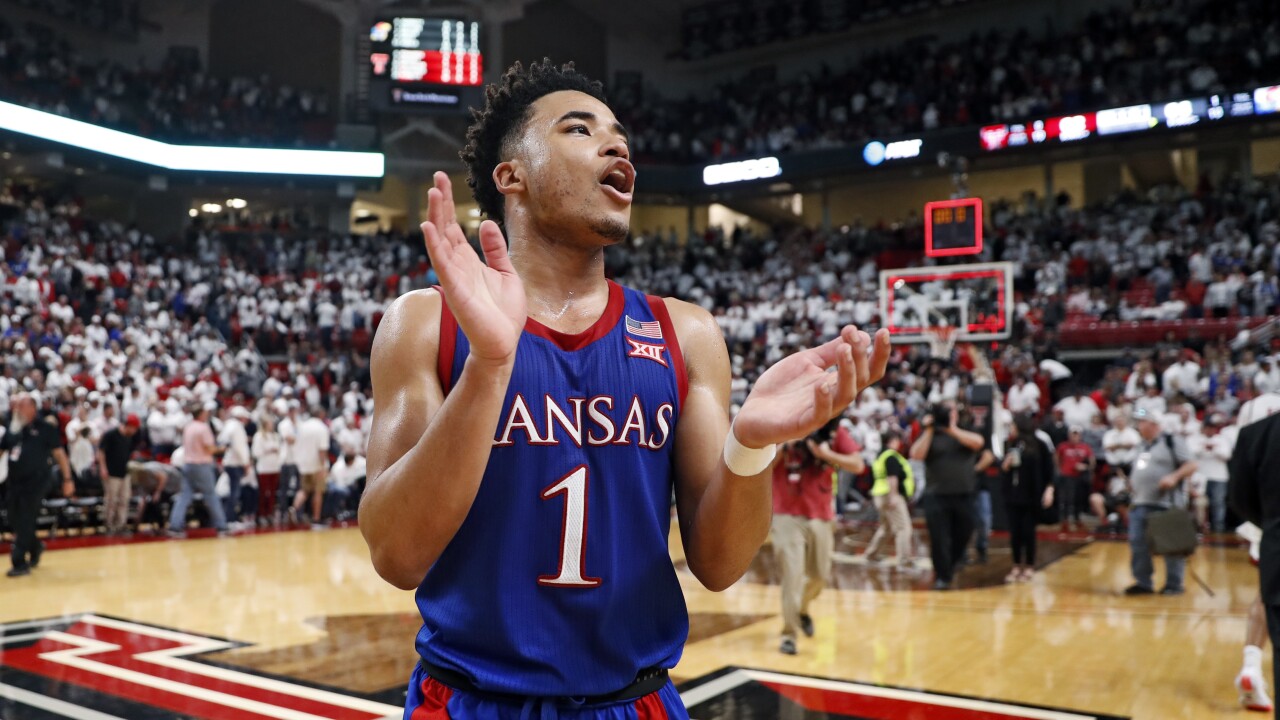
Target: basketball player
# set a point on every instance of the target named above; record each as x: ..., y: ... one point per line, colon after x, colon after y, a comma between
x: 532, y: 419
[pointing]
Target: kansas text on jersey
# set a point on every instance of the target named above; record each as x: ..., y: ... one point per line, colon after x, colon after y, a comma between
x: 559, y: 581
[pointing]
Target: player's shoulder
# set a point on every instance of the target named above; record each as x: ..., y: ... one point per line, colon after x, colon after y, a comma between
x: 416, y: 303
x: 414, y: 312
x: 410, y: 327
x: 692, y: 321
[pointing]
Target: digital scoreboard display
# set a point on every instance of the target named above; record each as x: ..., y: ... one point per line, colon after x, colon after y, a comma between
x: 953, y: 227
x: 426, y: 51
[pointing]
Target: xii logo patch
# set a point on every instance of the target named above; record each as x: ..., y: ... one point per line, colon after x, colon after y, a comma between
x: 647, y: 350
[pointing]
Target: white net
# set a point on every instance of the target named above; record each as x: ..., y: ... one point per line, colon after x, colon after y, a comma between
x: 942, y: 340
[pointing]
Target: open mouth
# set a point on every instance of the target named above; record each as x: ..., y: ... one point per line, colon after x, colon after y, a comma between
x: 621, y: 177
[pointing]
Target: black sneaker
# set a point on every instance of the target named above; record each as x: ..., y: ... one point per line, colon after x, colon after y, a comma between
x: 20, y: 571
x: 788, y: 646
x: 1166, y: 590
x: 35, y: 557
x: 1139, y: 590
x: 941, y: 585
x: 806, y: 625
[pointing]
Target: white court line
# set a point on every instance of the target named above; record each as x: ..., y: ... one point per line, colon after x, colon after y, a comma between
x: 85, y: 646
x: 53, y: 705
x: 194, y: 644
x: 11, y: 639
x: 916, y: 696
x: 716, y: 687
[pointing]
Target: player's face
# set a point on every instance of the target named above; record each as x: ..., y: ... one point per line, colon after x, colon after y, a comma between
x: 578, y: 177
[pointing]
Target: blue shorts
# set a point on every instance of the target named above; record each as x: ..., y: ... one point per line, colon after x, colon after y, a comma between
x: 429, y: 699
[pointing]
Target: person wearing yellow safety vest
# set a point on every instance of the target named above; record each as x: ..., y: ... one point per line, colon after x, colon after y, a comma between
x: 894, y: 486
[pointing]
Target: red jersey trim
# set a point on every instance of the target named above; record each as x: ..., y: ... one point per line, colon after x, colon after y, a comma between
x: 603, y: 326
x: 435, y: 701
x: 659, y: 309
x: 448, y: 343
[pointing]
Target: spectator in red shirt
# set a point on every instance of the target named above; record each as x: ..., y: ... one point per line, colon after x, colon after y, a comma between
x: 1075, y: 469
x: 804, y: 523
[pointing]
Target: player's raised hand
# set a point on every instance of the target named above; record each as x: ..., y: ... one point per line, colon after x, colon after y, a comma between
x: 488, y: 299
x: 798, y: 395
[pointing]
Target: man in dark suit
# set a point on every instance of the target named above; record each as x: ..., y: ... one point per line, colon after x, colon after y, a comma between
x: 1253, y: 490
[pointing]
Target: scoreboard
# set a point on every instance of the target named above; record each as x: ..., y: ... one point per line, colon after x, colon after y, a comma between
x: 953, y: 227
x: 425, y: 62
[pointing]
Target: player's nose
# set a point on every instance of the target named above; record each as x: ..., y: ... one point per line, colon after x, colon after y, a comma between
x: 616, y: 147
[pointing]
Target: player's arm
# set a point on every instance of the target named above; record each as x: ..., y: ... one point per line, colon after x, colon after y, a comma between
x: 413, y: 503
x: 427, y: 453
x: 724, y: 517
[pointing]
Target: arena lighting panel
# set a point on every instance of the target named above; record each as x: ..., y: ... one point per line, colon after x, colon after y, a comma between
x: 741, y: 171
x: 195, y: 158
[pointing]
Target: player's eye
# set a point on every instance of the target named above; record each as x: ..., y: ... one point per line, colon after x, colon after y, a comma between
x: 581, y: 129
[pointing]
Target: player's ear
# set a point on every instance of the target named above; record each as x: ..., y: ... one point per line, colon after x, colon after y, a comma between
x: 509, y: 176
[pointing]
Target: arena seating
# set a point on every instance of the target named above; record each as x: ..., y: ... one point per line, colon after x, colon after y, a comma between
x: 177, y: 101
x: 1142, y: 51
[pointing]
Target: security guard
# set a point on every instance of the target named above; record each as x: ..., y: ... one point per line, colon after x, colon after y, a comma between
x: 894, y: 487
x: 33, y: 443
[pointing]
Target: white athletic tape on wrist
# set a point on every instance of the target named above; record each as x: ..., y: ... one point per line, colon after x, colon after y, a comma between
x: 744, y: 461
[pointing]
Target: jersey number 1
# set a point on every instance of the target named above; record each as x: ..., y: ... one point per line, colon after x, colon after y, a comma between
x: 573, y: 533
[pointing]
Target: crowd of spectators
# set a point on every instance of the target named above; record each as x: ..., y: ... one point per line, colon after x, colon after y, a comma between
x: 722, y: 26
x: 177, y: 101
x: 263, y: 328
x: 106, y: 323
x: 1138, y: 52
x: 115, y: 17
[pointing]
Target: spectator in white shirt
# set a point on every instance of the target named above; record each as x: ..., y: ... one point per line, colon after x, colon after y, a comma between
x: 1182, y: 377
x: 1218, y: 297
x: 1212, y: 450
x: 83, y: 454
x: 237, y: 459
x: 1181, y: 422
x: 1267, y: 379
x: 345, y: 483
x: 268, y: 456
x: 288, y: 429
x: 311, y: 454
x: 1024, y: 397
x: 1078, y: 409
x: 1120, y: 444
x: 1153, y: 402
x: 79, y: 422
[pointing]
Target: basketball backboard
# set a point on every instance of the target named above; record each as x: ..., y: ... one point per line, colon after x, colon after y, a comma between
x: 976, y: 299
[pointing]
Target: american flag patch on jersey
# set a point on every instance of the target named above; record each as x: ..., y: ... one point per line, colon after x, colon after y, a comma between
x: 651, y: 329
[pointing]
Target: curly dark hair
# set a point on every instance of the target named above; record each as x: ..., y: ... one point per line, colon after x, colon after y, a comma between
x: 502, y: 119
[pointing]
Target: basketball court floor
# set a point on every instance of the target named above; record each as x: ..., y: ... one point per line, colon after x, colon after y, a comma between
x: 296, y: 625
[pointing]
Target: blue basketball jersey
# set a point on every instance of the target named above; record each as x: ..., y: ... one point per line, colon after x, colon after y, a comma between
x: 559, y: 582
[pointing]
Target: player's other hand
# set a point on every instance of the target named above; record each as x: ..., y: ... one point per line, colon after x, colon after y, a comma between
x: 798, y: 395
x: 486, y: 297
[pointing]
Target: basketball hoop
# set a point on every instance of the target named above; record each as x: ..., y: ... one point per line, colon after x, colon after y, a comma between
x: 942, y: 340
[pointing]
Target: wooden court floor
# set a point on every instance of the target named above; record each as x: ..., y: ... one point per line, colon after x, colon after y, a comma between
x: 307, y: 607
